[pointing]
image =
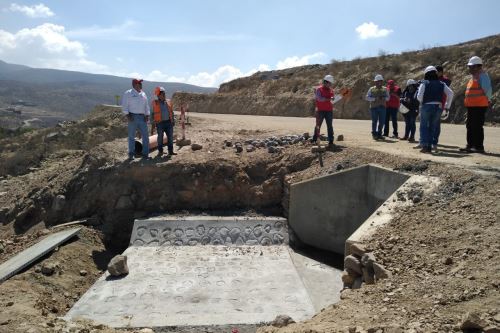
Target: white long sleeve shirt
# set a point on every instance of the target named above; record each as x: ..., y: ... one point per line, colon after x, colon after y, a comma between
x: 447, y: 91
x: 135, y: 102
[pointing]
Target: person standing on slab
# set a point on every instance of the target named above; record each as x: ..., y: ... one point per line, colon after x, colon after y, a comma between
x: 446, y: 80
x: 477, y: 101
x: 136, y: 107
x: 377, y: 96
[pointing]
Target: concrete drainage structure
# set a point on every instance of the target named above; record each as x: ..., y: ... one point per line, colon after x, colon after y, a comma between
x: 218, y: 271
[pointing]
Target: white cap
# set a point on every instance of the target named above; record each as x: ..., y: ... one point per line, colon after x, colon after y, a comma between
x: 475, y: 60
x: 328, y: 78
x: 430, y: 69
x: 410, y: 82
x: 378, y: 77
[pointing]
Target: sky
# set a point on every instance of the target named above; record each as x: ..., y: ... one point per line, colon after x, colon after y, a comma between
x: 208, y: 42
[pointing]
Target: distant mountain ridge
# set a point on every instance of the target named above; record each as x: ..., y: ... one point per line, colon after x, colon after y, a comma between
x: 68, y: 95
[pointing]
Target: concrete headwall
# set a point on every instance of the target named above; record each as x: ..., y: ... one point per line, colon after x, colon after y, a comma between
x: 325, y: 211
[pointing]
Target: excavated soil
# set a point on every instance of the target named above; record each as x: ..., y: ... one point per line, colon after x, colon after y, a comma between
x: 443, y: 250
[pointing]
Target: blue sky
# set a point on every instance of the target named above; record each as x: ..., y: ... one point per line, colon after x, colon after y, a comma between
x: 207, y: 42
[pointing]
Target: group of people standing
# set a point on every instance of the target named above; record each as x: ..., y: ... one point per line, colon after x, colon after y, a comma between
x: 431, y: 98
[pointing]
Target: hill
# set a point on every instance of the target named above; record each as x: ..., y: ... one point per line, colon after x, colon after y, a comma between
x: 289, y: 92
x: 47, y: 96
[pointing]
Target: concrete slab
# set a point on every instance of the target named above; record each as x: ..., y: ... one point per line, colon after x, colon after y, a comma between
x: 209, y: 230
x: 31, y: 254
x: 326, y: 210
x: 208, y: 285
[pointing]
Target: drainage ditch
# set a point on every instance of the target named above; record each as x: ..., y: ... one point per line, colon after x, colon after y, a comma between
x: 198, y: 271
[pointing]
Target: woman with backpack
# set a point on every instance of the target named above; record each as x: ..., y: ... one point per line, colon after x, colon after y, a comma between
x: 410, y: 101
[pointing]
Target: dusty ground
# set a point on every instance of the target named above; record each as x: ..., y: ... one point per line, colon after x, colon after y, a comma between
x: 443, y: 251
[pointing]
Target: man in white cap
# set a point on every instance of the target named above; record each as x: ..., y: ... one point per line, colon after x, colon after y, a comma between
x: 477, y: 100
x: 377, y: 95
x: 324, y: 108
x: 136, y: 107
x: 430, y: 95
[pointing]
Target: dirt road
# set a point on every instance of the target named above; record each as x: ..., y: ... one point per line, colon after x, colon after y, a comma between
x: 357, y: 133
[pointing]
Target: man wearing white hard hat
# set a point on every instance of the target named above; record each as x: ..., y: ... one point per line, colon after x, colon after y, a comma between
x: 430, y: 95
x: 410, y: 102
x: 477, y: 100
x: 136, y: 107
x: 324, y: 108
x: 377, y: 95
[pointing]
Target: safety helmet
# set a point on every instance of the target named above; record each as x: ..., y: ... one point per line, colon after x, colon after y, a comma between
x: 410, y: 82
x: 378, y: 77
x: 430, y: 69
x: 328, y: 78
x: 475, y: 60
x: 158, y: 90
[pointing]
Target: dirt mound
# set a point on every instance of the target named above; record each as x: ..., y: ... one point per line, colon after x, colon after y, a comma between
x: 442, y: 251
x: 289, y: 92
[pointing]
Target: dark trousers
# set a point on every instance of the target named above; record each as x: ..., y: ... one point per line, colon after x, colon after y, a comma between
x: 391, y: 113
x: 320, y: 116
x: 474, y: 124
x: 167, y: 128
x: 410, y: 126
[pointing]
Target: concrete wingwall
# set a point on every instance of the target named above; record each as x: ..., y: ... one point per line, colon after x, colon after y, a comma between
x: 325, y: 211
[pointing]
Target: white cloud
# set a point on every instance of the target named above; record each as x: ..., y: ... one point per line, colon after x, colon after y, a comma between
x: 115, y: 32
x: 299, y: 61
x: 228, y: 72
x: 46, y: 46
x: 35, y: 11
x: 371, y: 30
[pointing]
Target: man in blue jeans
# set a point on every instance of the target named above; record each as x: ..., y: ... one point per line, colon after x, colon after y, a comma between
x: 430, y: 95
x: 136, y: 107
x: 163, y: 118
x: 377, y: 96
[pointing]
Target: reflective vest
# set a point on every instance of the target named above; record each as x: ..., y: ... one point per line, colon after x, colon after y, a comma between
x: 157, y: 111
x: 326, y: 93
x: 474, y: 95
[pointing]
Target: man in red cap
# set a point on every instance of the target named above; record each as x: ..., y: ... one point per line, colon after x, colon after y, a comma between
x: 136, y: 107
x: 392, y: 107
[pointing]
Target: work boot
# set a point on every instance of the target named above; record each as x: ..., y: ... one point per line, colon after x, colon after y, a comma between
x: 404, y: 138
x: 466, y: 149
x: 130, y: 157
x: 160, y: 153
x: 411, y: 140
x: 171, y: 153
x: 426, y: 150
x: 419, y: 146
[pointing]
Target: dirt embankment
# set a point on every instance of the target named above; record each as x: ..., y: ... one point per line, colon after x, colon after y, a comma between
x: 290, y: 92
x: 443, y: 251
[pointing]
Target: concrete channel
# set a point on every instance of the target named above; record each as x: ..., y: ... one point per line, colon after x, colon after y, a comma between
x: 213, y: 271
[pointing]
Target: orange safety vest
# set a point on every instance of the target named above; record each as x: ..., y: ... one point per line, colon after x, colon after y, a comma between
x: 474, y: 95
x: 157, y: 111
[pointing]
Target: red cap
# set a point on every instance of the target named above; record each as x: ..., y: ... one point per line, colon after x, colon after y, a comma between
x: 134, y: 81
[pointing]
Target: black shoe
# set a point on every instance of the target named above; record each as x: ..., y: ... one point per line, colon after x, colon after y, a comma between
x: 478, y: 150
x: 426, y: 150
x: 171, y: 153
x: 145, y: 157
x: 404, y: 138
x: 131, y: 157
x: 160, y: 153
x: 466, y: 149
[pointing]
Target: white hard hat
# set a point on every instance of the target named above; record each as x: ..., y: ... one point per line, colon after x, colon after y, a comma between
x: 475, y: 60
x: 410, y: 82
x: 430, y: 69
x: 328, y: 78
x: 378, y: 77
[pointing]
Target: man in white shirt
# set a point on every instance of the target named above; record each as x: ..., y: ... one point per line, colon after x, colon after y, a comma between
x: 136, y: 107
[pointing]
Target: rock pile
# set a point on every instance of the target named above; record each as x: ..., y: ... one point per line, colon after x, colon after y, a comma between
x: 273, y: 144
x: 361, y: 267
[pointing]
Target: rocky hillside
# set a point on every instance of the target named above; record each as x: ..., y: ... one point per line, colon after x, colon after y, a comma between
x: 289, y: 92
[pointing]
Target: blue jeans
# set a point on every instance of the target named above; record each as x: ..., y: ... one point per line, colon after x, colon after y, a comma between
x: 410, y: 127
x: 328, y: 116
x: 167, y: 128
x: 391, y: 114
x: 138, y: 121
x: 378, y: 115
x: 430, y: 117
